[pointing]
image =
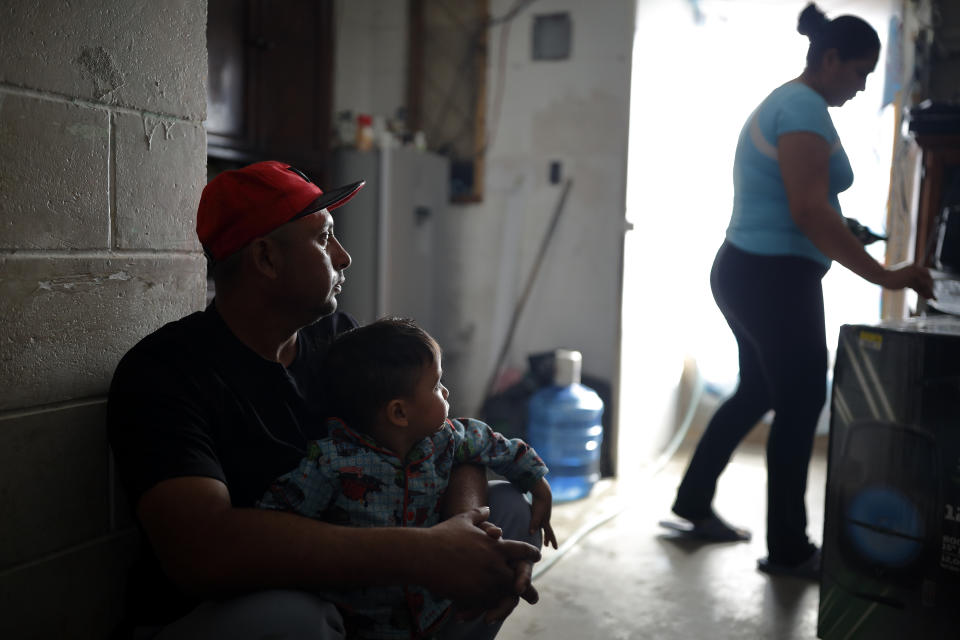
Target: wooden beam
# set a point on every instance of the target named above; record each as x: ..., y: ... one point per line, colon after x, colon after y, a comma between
x: 415, y: 62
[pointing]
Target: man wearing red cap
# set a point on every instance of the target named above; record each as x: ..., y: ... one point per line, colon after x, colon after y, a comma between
x: 205, y: 412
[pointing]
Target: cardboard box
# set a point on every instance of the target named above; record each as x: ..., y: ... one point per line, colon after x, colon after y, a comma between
x: 891, y: 540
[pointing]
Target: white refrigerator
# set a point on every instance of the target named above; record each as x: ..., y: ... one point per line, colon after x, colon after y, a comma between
x: 391, y: 230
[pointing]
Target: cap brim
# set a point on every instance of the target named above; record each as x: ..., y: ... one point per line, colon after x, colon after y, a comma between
x: 333, y: 198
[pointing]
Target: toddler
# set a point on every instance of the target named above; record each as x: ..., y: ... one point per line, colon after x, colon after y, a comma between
x: 386, y: 462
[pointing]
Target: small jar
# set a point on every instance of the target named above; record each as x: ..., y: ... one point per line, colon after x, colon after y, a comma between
x: 364, y: 132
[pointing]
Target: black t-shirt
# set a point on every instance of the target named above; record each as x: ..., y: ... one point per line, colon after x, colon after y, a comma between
x: 192, y: 400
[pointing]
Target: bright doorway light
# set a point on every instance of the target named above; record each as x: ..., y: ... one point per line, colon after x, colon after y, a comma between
x: 699, y: 70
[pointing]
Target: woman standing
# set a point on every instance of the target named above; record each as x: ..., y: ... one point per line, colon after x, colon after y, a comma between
x: 785, y: 230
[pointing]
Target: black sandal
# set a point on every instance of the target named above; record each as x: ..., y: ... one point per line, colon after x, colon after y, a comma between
x: 709, y: 529
x: 809, y: 569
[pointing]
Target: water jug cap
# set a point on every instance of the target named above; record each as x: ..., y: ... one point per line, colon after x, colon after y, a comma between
x: 566, y: 367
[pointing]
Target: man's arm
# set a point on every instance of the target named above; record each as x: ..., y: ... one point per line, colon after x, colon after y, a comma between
x: 466, y: 491
x: 210, y: 548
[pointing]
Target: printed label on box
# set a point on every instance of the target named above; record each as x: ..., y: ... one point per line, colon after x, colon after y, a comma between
x: 950, y: 553
x: 871, y: 340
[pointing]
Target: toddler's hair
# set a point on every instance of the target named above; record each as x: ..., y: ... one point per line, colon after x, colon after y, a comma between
x: 367, y: 367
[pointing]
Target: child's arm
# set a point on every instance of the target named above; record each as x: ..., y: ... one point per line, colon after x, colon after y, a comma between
x: 306, y: 490
x: 475, y: 442
x: 540, y: 511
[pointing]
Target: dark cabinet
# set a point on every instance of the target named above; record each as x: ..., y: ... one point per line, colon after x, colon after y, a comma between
x: 936, y: 128
x: 941, y: 179
x: 269, y: 88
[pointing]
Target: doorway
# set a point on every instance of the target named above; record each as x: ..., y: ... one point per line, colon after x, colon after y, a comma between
x: 699, y: 69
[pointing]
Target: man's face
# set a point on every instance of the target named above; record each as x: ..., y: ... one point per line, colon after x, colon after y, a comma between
x: 313, y: 261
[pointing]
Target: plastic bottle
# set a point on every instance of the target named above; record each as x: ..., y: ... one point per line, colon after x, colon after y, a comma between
x: 364, y: 140
x: 564, y: 426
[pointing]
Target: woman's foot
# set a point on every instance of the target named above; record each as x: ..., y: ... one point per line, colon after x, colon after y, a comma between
x: 809, y: 569
x: 709, y: 529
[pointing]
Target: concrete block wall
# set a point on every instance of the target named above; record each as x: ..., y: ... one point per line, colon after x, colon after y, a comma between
x: 102, y: 160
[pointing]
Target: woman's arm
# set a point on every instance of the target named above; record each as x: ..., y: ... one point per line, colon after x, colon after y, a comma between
x: 804, y: 160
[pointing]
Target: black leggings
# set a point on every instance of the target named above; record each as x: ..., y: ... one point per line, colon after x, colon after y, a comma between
x: 774, y: 305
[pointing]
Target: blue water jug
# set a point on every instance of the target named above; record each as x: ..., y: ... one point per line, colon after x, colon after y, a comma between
x: 564, y: 426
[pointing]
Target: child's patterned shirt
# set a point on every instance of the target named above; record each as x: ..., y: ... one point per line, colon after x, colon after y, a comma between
x: 348, y: 479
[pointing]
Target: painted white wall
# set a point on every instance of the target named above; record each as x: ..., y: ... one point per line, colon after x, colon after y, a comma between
x: 576, y: 112
x: 573, y: 111
x: 370, y: 72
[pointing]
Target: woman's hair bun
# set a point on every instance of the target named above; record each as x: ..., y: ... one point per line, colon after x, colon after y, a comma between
x: 811, y: 21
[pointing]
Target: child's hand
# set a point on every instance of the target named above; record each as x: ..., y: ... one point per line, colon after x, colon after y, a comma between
x: 540, y: 512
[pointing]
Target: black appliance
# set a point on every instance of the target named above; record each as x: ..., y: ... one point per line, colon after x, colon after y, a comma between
x: 891, y: 539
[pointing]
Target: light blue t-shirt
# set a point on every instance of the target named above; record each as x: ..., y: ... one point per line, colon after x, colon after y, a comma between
x: 761, y: 221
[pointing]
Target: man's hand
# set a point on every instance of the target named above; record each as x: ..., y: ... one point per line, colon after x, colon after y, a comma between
x: 491, y: 529
x: 476, y: 568
x: 523, y: 574
x: 465, y: 494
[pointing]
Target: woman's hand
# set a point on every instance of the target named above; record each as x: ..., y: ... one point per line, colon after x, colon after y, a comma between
x: 909, y: 275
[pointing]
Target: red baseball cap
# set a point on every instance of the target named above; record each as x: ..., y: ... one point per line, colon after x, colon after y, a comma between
x: 241, y: 205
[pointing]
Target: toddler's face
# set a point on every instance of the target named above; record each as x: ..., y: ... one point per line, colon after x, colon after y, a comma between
x: 429, y: 405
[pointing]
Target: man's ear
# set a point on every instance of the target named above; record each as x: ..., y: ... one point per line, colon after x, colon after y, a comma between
x: 265, y: 257
x: 397, y: 412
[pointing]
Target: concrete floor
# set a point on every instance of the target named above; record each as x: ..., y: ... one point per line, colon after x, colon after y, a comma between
x: 628, y: 578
